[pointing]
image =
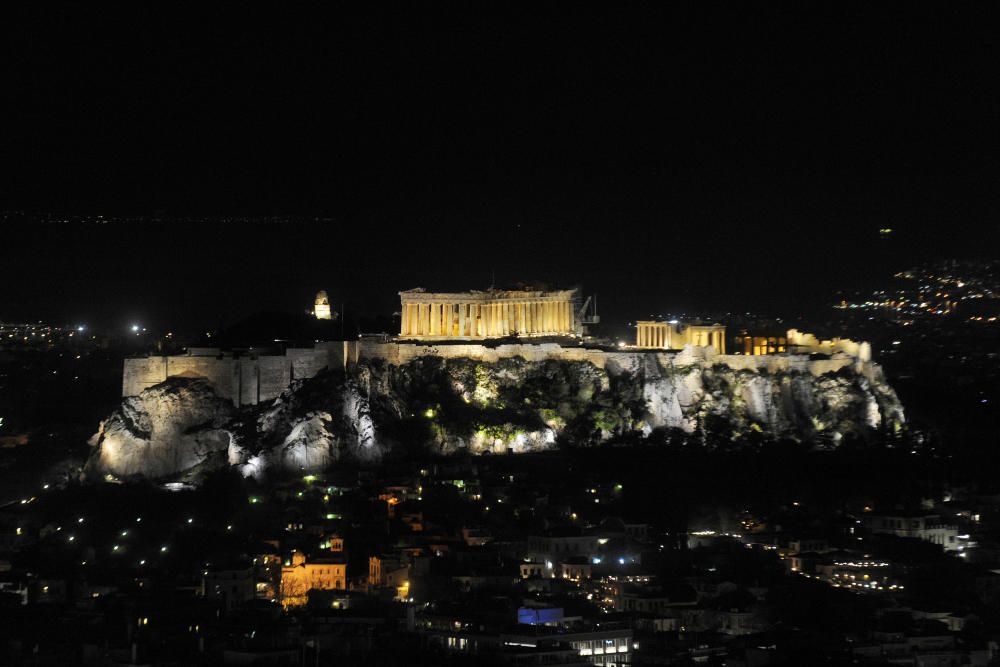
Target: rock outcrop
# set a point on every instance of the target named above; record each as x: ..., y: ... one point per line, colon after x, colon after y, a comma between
x: 166, y: 430
x: 442, y: 406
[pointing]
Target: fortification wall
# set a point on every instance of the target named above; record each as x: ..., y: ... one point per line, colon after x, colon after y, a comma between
x: 250, y: 380
x: 613, y: 361
x: 142, y: 373
x: 244, y: 381
x: 807, y: 343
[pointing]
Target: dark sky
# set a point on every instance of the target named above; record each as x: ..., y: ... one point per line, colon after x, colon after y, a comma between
x: 738, y: 157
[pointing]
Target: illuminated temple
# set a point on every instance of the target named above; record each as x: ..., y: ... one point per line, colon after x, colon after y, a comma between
x: 487, y: 314
x: 674, y: 336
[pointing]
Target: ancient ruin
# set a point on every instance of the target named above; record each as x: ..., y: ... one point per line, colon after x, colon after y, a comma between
x: 487, y: 314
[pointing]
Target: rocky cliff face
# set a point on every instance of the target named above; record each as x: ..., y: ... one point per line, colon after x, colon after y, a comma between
x: 444, y: 406
x: 172, y: 427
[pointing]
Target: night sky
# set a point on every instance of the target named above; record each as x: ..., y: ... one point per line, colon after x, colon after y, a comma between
x: 739, y: 158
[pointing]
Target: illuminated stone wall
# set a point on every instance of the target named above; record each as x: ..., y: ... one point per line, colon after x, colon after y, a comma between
x: 612, y: 361
x: 806, y: 343
x: 251, y: 380
x: 243, y: 380
x: 488, y: 314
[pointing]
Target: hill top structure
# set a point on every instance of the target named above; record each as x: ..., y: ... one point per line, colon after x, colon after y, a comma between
x: 321, y: 308
x: 674, y: 335
x: 492, y: 313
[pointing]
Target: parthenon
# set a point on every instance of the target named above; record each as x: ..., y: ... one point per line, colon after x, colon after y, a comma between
x: 673, y: 336
x: 487, y: 314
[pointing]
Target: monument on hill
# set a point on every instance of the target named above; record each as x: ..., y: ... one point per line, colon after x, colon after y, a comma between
x: 321, y: 309
x: 489, y: 313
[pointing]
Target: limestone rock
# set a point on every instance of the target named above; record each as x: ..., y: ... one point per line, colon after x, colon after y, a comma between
x: 443, y: 406
x: 167, y: 429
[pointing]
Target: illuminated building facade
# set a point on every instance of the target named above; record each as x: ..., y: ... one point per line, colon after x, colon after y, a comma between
x: 299, y: 577
x: 748, y: 344
x: 487, y: 314
x: 674, y: 336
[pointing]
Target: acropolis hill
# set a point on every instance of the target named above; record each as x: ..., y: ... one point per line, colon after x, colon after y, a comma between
x: 491, y: 371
